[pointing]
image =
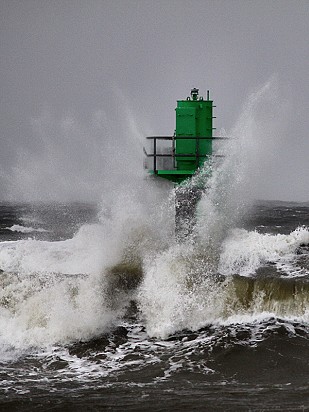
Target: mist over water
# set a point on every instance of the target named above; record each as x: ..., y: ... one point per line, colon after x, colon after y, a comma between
x: 77, y: 159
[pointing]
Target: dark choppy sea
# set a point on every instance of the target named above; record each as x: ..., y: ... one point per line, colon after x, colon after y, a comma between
x: 91, y: 321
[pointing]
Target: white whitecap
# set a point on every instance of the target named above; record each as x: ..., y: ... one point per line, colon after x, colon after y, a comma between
x: 25, y: 229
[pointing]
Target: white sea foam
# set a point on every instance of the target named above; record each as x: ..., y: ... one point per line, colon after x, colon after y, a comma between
x: 244, y: 252
x: 44, y: 300
x: 55, y: 292
x: 39, y: 314
x: 181, y: 290
x: 178, y: 292
x: 25, y: 229
x: 58, y: 291
x: 82, y: 254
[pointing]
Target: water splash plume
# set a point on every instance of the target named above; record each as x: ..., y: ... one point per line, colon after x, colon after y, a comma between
x: 77, y: 288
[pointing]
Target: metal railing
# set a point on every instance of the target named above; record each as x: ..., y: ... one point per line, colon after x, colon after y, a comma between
x: 173, y: 155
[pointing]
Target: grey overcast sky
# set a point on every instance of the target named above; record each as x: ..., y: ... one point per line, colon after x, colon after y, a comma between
x: 67, y: 64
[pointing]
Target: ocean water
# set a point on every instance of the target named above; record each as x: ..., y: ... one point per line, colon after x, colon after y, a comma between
x: 104, y: 307
x: 161, y: 325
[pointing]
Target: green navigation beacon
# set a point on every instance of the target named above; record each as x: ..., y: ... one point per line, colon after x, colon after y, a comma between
x: 191, y: 144
x: 178, y: 157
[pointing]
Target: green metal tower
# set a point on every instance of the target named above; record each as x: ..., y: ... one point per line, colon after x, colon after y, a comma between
x: 192, y: 141
x: 178, y: 157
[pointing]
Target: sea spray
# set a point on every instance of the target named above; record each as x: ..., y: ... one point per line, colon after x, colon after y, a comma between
x: 40, y: 311
x: 180, y: 289
x: 244, y: 252
x: 62, y: 291
x: 53, y: 292
x: 184, y: 289
x: 232, y: 185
